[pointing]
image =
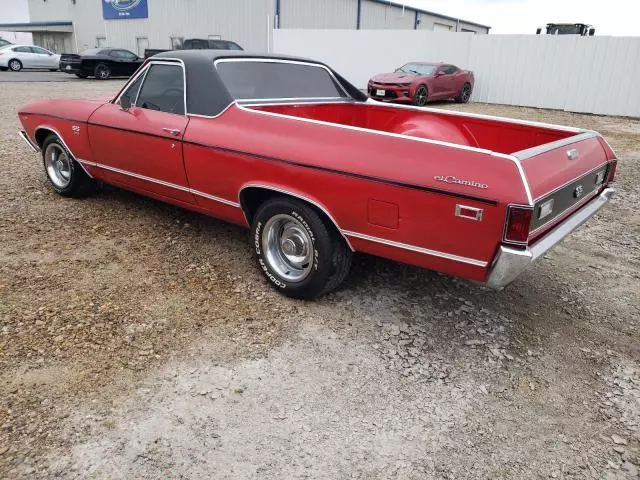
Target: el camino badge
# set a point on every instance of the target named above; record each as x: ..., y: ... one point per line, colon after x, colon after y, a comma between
x: 458, y: 181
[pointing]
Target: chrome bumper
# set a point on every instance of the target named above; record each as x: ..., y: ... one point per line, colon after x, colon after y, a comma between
x: 510, y: 262
x: 28, y: 141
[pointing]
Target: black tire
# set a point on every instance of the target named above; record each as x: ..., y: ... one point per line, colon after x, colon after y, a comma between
x: 53, y: 69
x: 102, y: 71
x: 79, y: 183
x: 4, y: 69
x: 15, y: 65
x: 82, y: 75
x: 421, y: 97
x: 465, y: 94
x: 329, y: 256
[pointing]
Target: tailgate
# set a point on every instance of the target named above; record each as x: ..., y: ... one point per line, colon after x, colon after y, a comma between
x: 563, y: 175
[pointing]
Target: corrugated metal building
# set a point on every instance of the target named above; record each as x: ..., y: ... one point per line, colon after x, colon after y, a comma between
x: 74, y: 25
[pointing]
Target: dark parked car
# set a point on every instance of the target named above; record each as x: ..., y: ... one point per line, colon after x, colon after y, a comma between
x: 198, y: 44
x: 420, y: 82
x: 101, y: 63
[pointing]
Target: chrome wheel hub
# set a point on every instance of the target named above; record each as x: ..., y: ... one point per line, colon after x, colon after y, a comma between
x: 58, y: 165
x: 288, y: 247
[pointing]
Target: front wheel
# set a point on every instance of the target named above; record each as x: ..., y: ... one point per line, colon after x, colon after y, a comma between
x: 465, y: 94
x: 421, y: 97
x: 298, y: 251
x: 102, y: 72
x: 65, y: 175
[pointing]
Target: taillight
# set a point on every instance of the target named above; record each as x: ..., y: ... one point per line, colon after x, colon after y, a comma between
x: 518, y: 224
x: 612, y: 170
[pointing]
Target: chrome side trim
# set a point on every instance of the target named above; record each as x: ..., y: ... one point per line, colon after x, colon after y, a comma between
x: 161, y: 182
x: 51, y: 129
x: 481, y: 116
x: 413, y: 248
x: 511, y: 158
x: 301, y: 197
x: 547, y: 147
x: 215, y: 199
x: 28, y: 141
x: 509, y: 263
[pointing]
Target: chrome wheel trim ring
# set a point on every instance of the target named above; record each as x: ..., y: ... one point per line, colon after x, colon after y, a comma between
x: 287, y: 247
x: 59, y: 165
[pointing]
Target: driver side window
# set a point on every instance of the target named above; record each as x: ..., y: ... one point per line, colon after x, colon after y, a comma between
x: 163, y: 89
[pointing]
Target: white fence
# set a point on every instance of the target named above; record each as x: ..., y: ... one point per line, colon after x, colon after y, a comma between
x: 579, y: 74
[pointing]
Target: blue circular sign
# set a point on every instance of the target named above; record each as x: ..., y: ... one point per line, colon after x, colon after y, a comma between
x: 124, y: 5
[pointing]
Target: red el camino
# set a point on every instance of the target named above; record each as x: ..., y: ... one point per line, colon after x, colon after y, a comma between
x: 420, y: 83
x: 290, y: 149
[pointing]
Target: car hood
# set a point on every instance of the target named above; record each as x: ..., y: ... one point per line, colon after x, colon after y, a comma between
x: 396, y: 77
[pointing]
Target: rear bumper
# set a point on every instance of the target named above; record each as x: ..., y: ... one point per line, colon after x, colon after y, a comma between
x: 511, y: 262
x: 70, y: 68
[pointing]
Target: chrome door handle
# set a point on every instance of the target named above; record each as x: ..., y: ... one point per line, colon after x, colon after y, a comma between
x: 173, y: 131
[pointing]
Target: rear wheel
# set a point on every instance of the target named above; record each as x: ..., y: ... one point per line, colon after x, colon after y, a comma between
x: 65, y: 175
x: 465, y: 94
x: 15, y: 65
x: 102, y: 71
x: 298, y: 251
x: 421, y: 96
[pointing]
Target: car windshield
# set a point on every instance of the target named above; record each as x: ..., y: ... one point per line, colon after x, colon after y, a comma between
x: 278, y: 80
x: 417, y: 69
x: 4, y: 47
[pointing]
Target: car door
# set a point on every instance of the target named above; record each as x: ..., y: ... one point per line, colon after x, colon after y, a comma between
x: 448, y: 80
x: 142, y: 147
x: 131, y: 62
x: 44, y: 58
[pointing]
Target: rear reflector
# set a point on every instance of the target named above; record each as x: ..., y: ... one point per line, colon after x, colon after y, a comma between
x: 518, y: 224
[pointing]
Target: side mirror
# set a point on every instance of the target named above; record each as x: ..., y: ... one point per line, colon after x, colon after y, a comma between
x: 538, y: 31
x: 125, y: 103
x: 592, y: 32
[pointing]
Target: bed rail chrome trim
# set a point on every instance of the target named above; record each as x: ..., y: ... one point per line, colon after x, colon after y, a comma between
x: 47, y: 127
x: 161, y: 182
x: 28, y: 141
x: 413, y: 248
x: 480, y: 116
x: 547, y: 147
x: 319, y: 206
x: 511, y: 262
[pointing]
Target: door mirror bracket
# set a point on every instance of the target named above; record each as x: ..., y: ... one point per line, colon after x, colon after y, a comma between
x: 125, y: 103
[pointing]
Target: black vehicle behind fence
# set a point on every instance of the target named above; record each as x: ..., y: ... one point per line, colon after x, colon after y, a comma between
x: 101, y: 63
x: 198, y: 44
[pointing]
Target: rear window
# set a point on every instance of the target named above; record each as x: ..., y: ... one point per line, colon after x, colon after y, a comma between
x: 263, y: 80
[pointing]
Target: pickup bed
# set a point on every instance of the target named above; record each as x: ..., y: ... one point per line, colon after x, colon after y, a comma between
x: 290, y: 149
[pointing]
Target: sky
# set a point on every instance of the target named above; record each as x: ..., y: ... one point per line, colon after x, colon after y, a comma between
x: 609, y: 17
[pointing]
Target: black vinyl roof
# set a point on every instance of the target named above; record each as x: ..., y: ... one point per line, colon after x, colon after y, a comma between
x: 206, y: 93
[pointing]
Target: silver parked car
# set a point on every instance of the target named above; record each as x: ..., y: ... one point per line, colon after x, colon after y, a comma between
x: 17, y: 57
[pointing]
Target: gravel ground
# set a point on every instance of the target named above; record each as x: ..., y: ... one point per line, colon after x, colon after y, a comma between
x: 139, y: 340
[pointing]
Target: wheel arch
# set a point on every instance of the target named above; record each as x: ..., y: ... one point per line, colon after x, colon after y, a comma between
x: 252, y: 195
x: 41, y: 132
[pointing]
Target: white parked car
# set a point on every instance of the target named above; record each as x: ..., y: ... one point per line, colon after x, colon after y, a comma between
x: 17, y: 57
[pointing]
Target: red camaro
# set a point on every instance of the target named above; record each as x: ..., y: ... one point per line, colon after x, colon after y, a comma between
x: 289, y: 148
x: 420, y: 83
